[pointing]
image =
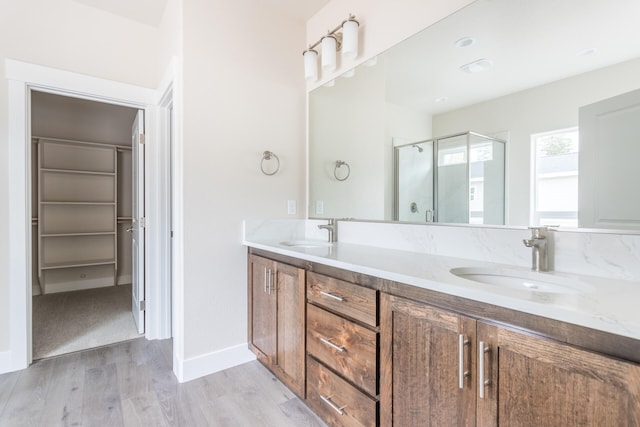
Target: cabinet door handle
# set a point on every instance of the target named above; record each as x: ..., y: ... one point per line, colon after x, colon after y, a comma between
x: 269, y: 281
x: 332, y: 345
x: 462, y: 341
x: 327, y: 400
x: 265, y: 280
x: 482, y: 383
x: 330, y: 295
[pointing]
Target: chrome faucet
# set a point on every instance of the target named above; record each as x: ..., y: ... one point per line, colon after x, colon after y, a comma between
x: 332, y: 228
x: 538, y: 245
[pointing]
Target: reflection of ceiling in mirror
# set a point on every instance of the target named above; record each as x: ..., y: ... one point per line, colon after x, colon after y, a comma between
x: 529, y: 43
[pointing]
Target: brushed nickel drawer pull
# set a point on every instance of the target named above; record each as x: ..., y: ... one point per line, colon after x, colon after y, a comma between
x: 462, y: 341
x: 327, y: 400
x: 332, y: 345
x: 482, y: 383
x: 330, y: 295
x: 265, y: 280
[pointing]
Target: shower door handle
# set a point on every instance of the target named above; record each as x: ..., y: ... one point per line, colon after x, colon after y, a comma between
x: 428, y: 215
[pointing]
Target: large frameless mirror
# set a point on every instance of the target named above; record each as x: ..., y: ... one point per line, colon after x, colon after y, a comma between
x: 555, y: 80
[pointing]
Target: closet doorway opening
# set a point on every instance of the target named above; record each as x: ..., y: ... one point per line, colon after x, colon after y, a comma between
x: 87, y: 215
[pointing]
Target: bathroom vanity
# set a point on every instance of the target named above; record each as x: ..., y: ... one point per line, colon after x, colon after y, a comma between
x: 365, y: 349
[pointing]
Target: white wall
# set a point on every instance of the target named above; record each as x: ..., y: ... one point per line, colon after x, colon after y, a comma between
x: 66, y: 35
x: 545, y: 108
x: 243, y: 94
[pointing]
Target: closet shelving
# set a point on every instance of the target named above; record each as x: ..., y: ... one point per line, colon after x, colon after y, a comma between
x: 78, y: 214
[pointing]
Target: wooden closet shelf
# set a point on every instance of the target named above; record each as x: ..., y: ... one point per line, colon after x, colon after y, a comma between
x: 44, y: 139
x: 81, y: 172
x: 56, y: 265
x: 97, y: 233
x: 78, y: 203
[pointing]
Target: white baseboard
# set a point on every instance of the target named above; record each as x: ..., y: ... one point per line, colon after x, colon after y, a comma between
x: 5, y: 362
x: 206, y: 364
x: 78, y: 285
x: 125, y: 279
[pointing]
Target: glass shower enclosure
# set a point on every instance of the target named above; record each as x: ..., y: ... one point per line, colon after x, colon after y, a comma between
x: 453, y: 179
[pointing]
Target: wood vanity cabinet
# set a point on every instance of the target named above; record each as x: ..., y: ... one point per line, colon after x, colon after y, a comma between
x: 441, y: 368
x: 277, y: 319
x: 420, y: 353
x: 533, y: 381
x: 342, y: 348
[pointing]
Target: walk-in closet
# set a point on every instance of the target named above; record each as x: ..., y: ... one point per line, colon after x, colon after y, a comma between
x: 82, y: 202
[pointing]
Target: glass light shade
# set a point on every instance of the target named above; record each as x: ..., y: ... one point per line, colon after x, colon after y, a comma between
x: 329, y: 53
x: 350, y: 39
x: 310, y: 65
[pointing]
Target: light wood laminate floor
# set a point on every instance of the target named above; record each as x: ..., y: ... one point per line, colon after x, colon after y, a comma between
x: 132, y: 384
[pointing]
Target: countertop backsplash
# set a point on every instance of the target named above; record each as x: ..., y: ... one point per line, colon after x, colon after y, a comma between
x: 599, y: 254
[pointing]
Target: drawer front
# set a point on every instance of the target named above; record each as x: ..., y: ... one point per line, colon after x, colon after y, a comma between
x: 344, y: 346
x: 354, y: 301
x: 336, y: 401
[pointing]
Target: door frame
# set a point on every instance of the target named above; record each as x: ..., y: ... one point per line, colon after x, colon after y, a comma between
x: 22, y: 78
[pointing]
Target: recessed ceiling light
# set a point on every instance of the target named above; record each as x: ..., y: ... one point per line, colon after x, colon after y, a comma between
x: 464, y: 42
x: 441, y: 99
x: 477, y: 66
x: 586, y: 52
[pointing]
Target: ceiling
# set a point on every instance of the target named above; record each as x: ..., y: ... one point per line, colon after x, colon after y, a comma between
x: 530, y: 43
x: 150, y: 12
x: 147, y: 12
x: 301, y: 9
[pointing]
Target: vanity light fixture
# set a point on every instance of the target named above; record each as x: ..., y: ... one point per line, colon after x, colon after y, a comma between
x: 310, y: 64
x: 348, y: 74
x: 371, y: 62
x: 344, y: 36
x: 329, y: 49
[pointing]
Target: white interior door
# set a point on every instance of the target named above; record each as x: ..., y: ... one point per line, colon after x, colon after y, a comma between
x: 138, y: 221
x: 609, y: 153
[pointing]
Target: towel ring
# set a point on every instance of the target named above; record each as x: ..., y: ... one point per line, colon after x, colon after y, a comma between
x: 267, y: 155
x: 339, y: 164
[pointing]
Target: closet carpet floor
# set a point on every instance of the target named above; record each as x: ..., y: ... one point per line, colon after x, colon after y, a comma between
x: 71, y: 321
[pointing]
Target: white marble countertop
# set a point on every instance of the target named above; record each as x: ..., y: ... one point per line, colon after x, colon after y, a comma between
x: 609, y: 305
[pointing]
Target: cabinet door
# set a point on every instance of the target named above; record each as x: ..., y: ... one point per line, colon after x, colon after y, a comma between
x: 538, y: 382
x: 263, y: 308
x: 291, y: 326
x: 422, y: 357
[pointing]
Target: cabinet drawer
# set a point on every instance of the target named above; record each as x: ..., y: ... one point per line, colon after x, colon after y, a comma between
x: 336, y: 401
x: 354, y: 301
x: 344, y: 346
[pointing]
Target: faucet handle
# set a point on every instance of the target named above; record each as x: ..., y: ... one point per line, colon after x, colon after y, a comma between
x: 538, y: 231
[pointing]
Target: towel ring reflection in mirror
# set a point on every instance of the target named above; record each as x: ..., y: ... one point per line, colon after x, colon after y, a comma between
x: 268, y: 156
x: 339, y: 164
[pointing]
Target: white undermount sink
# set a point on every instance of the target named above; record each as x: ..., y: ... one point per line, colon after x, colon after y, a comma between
x: 522, y: 280
x: 306, y: 244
